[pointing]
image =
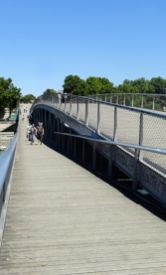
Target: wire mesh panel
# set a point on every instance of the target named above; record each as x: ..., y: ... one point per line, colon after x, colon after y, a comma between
x: 120, y: 99
x: 107, y: 120
x: 74, y: 106
x: 138, y: 100
x: 92, y: 114
x: 156, y: 161
x: 128, y: 99
x: 67, y: 107
x: 148, y: 102
x: 154, y: 131
x: 154, y: 135
x: 160, y: 103
x: 128, y: 126
x: 62, y: 106
x: 82, y: 102
x: 114, y: 99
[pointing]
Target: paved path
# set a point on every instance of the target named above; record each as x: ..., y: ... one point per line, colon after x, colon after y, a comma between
x: 62, y: 219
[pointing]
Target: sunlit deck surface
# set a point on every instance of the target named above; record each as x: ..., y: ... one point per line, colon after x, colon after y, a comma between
x: 62, y: 219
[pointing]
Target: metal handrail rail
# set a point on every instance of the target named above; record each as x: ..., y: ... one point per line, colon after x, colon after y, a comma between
x: 123, y: 144
x: 131, y: 97
x: 146, y: 94
x: 6, y: 164
x: 5, y: 159
x: 134, y: 109
x: 84, y: 118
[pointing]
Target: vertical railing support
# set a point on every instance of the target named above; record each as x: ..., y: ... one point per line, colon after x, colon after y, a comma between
x: 115, y: 124
x: 132, y: 101
x: 138, y: 153
x: 70, y: 110
x: 153, y: 107
x: 142, y: 101
x: 124, y: 100
x: 98, y: 117
x: 141, y: 135
x: 78, y: 107
x: 86, y: 112
x: 65, y: 106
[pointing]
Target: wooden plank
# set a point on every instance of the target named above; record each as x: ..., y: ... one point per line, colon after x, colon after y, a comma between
x: 62, y: 219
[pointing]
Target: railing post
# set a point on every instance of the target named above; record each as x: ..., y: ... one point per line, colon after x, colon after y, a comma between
x: 115, y: 124
x: 65, y: 106
x: 153, y: 103
x: 78, y: 107
x: 98, y: 117
x: 140, y: 152
x: 86, y: 113
x: 70, y: 110
x: 124, y: 100
x: 132, y: 101
x: 142, y: 101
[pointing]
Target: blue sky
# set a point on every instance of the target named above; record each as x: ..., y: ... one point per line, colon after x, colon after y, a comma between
x: 43, y: 41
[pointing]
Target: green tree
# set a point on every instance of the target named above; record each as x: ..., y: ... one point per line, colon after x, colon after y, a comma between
x: 28, y: 98
x: 98, y: 85
x: 140, y: 85
x: 49, y: 94
x: 73, y: 84
x: 9, y: 94
x: 158, y: 84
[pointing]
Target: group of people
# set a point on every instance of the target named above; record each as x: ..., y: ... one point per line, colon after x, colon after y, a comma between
x: 35, y: 133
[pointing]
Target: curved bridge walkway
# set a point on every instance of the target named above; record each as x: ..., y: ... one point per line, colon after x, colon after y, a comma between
x: 62, y: 219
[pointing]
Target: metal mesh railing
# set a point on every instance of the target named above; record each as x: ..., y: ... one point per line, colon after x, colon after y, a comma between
x: 155, y: 102
x: 120, y: 123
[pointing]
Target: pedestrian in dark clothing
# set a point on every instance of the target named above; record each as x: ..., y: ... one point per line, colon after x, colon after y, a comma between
x: 40, y: 132
x: 32, y: 134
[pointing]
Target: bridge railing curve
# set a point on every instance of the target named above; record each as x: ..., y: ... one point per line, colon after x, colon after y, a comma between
x: 6, y: 164
x: 119, y: 123
x: 155, y: 102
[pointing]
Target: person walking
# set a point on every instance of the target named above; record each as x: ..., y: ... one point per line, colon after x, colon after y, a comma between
x: 40, y: 132
x: 28, y: 131
x: 32, y: 134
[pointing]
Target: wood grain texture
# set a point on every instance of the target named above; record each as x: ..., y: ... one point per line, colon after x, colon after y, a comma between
x: 62, y: 219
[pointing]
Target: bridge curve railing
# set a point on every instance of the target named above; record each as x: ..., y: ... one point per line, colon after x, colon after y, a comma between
x: 119, y: 123
x: 156, y: 102
x: 6, y: 163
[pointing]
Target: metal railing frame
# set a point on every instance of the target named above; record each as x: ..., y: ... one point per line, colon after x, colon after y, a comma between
x: 109, y: 96
x: 86, y: 100
x: 6, y: 162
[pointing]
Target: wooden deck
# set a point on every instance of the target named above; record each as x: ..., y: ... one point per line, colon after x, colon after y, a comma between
x: 62, y: 219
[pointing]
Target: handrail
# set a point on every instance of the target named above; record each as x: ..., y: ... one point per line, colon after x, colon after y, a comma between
x: 130, y: 108
x: 143, y: 100
x: 123, y: 144
x: 144, y: 131
x: 146, y: 94
x: 134, y: 109
x: 6, y: 162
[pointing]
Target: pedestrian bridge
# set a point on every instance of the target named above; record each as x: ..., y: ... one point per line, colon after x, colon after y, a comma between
x: 62, y: 218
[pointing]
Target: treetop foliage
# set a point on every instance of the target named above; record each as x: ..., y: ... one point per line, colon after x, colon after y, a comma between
x: 49, y: 93
x: 92, y: 85
x: 28, y: 98
x: 73, y: 84
x: 9, y: 94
